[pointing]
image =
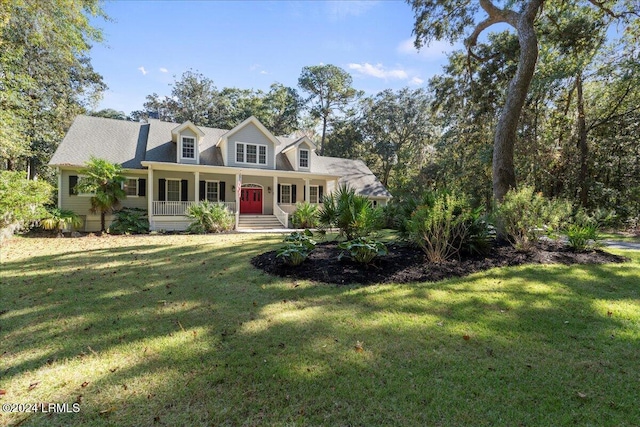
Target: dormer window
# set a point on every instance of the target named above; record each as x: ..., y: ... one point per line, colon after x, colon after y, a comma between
x: 304, y: 159
x: 188, y: 148
x: 251, y: 153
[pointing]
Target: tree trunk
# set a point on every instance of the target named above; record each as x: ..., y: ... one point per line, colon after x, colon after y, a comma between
x: 582, y: 144
x: 324, y: 131
x: 504, y: 177
x: 103, y: 228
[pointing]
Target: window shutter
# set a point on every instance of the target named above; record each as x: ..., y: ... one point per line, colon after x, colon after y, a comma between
x: 279, y: 193
x: 162, y: 189
x: 304, y: 193
x: 142, y: 187
x: 293, y: 193
x: 184, y: 196
x: 203, y: 190
x: 73, y: 181
x: 320, y: 194
x: 221, y: 190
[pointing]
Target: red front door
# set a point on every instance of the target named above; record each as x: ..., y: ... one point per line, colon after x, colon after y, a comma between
x: 251, y: 201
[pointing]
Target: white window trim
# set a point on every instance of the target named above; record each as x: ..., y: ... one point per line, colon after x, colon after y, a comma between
x: 205, y: 189
x: 195, y: 144
x: 166, y: 190
x: 300, y: 158
x: 317, y: 187
x: 244, y: 154
x: 137, y: 186
x: 282, y: 202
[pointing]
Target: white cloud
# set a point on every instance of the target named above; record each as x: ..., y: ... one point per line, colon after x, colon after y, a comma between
x: 143, y: 71
x: 379, y: 71
x: 435, y: 50
x: 263, y: 72
x: 417, y: 81
x: 163, y: 70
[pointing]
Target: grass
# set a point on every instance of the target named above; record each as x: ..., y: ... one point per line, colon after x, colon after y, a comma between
x: 181, y: 330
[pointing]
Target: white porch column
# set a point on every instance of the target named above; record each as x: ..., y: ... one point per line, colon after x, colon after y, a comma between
x: 307, y: 192
x: 238, y: 190
x: 275, y: 194
x: 150, y: 197
x: 196, y: 189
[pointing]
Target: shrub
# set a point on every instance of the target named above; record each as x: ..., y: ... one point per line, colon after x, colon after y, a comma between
x: 299, y: 246
x: 353, y: 214
x: 445, y: 225
x: 524, y: 216
x: 209, y: 217
x: 303, y: 238
x: 305, y: 216
x: 130, y: 221
x: 59, y: 219
x: 363, y: 250
x: 21, y: 200
x: 582, y: 233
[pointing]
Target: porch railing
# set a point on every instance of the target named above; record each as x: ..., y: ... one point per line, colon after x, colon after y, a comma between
x: 282, y: 216
x: 179, y: 208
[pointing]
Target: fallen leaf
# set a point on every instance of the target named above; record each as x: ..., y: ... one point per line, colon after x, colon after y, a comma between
x: 581, y: 395
x: 106, y: 411
x: 33, y: 385
x: 114, y: 369
x: 466, y: 337
x: 84, y: 384
x: 609, y: 314
x: 359, y: 347
x: 3, y: 392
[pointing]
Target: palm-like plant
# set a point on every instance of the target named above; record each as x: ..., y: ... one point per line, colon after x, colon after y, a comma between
x: 352, y: 213
x: 104, y: 179
x: 59, y: 219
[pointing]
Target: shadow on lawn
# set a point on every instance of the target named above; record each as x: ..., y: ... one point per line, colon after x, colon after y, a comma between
x: 271, y: 351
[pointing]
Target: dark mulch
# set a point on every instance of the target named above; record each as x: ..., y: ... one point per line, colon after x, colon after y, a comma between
x: 406, y: 264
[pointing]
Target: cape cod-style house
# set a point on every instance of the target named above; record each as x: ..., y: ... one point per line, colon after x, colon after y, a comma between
x: 258, y: 176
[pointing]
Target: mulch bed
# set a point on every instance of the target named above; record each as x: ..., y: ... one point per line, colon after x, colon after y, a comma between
x: 406, y: 264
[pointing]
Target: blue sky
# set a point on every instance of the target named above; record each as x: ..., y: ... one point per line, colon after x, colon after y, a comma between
x: 252, y: 44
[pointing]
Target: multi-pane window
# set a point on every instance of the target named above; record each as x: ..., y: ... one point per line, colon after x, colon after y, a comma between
x: 188, y: 148
x: 240, y: 153
x: 251, y: 153
x: 173, y: 190
x: 212, y: 191
x: 262, y: 157
x: 285, y: 193
x: 130, y: 186
x: 313, y: 194
x: 304, y: 158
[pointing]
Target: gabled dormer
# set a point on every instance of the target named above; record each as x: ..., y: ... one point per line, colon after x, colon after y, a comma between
x: 299, y: 154
x: 249, y: 145
x: 187, y: 137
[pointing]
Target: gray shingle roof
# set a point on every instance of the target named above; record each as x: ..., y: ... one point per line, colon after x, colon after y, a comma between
x: 117, y: 141
x: 130, y: 143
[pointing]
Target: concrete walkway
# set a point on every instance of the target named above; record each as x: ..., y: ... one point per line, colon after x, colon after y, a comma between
x: 615, y: 244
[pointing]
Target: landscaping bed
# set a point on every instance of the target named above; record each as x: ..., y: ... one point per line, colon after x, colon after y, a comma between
x: 406, y: 263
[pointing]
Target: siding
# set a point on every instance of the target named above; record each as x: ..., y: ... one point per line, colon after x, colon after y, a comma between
x: 82, y: 204
x: 252, y: 135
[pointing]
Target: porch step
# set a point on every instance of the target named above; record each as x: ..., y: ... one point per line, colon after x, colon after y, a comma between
x: 259, y: 222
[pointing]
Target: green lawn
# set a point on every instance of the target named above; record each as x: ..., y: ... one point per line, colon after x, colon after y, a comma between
x: 182, y: 330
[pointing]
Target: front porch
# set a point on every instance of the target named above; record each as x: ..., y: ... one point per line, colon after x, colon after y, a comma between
x: 173, y: 188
